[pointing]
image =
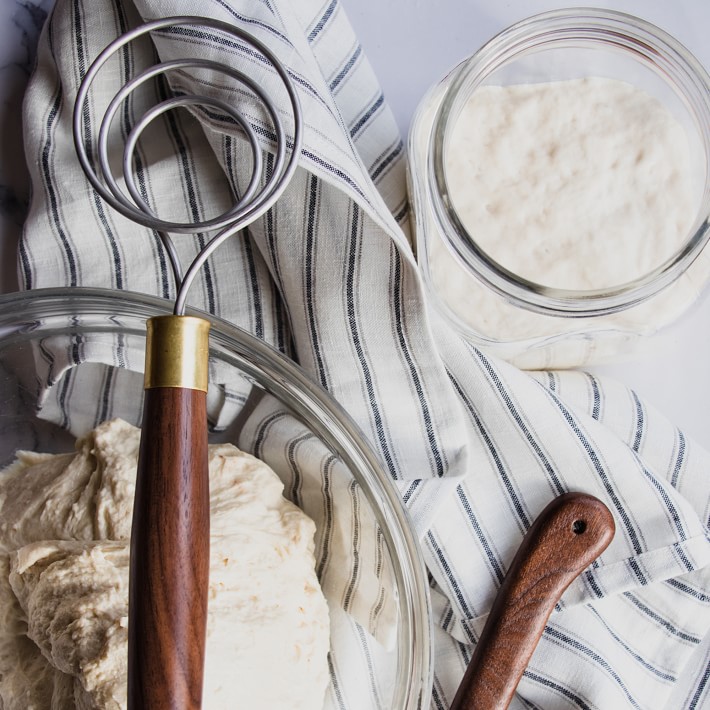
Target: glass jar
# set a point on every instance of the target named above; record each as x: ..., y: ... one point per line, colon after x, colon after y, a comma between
x: 532, y: 324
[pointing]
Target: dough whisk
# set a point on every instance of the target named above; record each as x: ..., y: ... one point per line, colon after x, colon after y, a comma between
x: 170, y: 534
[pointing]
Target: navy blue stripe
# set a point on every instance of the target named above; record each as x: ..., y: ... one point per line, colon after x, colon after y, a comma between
x: 62, y: 399
x: 552, y: 632
x: 412, y: 488
x: 350, y: 284
x: 399, y: 319
x: 335, y: 684
x: 336, y: 172
x: 379, y: 102
x: 52, y: 195
x: 283, y: 338
x: 88, y: 142
x: 636, y: 569
x: 493, y: 561
x: 370, y: 666
x: 190, y: 34
x: 700, y: 689
x: 453, y: 582
x: 663, y: 675
x: 515, y: 499
x: 448, y: 618
x: 212, y: 115
x: 679, y: 460
x: 593, y: 585
x: 604, y: 477
x: 551, y: 382
x: 379, y: 556
x: 48, y: 357
x: 596, y: 396
x: 557, y: 485
x: 660, y: 620
x: 561, y: 689
x: 47, y: 170
x: 77, y: 349
x: 464, y: 651
x: 377, y: 569
x: 25, y: 265
x: 327, y: 526
x: 252, y: 21
x: 346, y: 69
x: 257, y: 307
x: 672, y: 510
x: 387, y: 161
x: 399, y: 216
x: 262, y: 431
x: 687, y: 589
x: 105, y: 408
x: 311, y: 217
x: 524, y: 521
x: 270, y: 220
x: 323, y: 20
x: 639, y: 422
x: 232, y: 396
x: 436, y: 695
x: 355, y: 519
x: 296, y: 478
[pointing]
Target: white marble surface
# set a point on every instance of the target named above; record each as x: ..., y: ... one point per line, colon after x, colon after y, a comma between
x: 411, y: 44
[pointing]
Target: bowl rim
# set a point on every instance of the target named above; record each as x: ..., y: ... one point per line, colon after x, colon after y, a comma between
x: 415, y: 657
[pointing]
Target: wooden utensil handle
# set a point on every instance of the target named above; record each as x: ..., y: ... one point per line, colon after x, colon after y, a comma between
x: 169, y: 565
x: 169, y: 562
x: 568, y: 535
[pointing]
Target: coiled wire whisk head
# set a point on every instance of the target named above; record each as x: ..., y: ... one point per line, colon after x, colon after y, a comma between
x: 254, y: 201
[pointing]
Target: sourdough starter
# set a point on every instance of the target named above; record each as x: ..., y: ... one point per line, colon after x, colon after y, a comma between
x: 580, y: 184
x: 64, y: 528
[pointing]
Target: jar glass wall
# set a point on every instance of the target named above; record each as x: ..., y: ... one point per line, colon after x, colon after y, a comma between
x: 533, y: 324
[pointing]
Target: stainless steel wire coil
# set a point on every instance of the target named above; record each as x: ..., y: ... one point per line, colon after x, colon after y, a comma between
x: 261, y: 192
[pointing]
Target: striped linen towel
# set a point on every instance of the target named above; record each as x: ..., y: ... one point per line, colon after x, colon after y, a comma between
x: 476, y: 447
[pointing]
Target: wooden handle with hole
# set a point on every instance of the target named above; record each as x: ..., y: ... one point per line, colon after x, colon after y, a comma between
x: 569, y: 534
x: 169, y: 560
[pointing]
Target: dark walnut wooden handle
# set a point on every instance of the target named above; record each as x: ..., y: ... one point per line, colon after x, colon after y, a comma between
x: 169, y: 561
x: 569, y: 534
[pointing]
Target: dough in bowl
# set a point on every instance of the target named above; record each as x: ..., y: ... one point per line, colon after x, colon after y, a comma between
x: 64, y: 548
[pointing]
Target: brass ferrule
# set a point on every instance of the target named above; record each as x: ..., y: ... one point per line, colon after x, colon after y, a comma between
x: 177, y: 352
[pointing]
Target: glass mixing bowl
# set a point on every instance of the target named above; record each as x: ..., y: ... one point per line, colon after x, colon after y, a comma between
x: 533, y: 324
x: 256, y: 395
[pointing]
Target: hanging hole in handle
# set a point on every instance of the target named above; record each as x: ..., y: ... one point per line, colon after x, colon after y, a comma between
x: 579, y: 526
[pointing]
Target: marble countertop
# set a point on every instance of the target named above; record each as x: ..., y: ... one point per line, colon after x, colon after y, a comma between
x: 411, y: 44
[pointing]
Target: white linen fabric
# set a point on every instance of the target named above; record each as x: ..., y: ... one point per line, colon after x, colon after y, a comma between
x: 476, y: 447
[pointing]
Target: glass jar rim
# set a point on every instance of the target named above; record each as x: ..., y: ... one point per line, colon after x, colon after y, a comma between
x: 578, y: 27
